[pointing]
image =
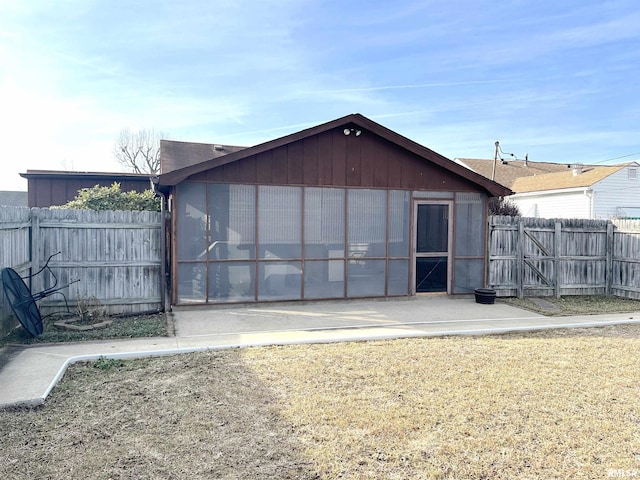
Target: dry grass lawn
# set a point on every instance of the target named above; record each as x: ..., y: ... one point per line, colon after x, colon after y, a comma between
x: 562, y: 404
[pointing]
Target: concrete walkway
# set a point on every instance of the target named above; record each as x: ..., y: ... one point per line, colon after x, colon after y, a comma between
x: 29, y: 373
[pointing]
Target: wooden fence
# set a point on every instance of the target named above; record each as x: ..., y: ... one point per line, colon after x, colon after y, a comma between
x: 113, y: 258
x: 15, y: 231
x: 555, y: 257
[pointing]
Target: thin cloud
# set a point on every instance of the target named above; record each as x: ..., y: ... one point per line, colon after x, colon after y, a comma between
x: 404, y: 87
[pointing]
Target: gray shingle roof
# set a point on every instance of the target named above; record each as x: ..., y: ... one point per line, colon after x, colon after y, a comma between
x: 176, y: 155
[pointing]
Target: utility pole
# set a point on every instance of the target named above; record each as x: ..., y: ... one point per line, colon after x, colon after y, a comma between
x: 495, y: 160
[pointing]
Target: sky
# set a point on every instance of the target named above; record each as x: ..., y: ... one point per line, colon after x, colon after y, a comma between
x: 558, y: 81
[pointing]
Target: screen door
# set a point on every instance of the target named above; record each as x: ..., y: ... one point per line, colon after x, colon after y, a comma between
x: 431, y: 247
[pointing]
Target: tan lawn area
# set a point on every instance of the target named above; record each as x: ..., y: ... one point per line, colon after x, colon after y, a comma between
x: 562, y: 404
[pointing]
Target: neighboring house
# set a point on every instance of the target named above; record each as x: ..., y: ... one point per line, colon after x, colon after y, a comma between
x: 560, y: 190
x: 346, y: 209
x: 13, y: 199
x: 48, y: 188
x: 592, y: 192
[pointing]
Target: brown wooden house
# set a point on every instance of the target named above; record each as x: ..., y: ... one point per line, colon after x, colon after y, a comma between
x: 48, y: 188
x: 345, y: 209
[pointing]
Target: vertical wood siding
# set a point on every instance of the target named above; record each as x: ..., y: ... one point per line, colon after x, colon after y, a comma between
x: 334, y: 159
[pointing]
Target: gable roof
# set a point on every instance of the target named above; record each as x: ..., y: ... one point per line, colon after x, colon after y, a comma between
x: 507, y: 172
x: 174, y: 177
x: 568, y: 179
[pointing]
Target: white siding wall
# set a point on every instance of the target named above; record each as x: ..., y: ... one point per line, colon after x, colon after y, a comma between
x: 617, y: 190
x: 573, y: 204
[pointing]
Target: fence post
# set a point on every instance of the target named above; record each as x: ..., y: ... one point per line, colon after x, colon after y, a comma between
x: 520, y: 256
x: 556, y: 258
x: 609, y: 263
x: 34, y: 251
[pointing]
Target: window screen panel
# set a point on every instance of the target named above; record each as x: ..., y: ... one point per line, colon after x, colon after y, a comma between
x: 365, y: 278
x: 324, y: 227
x: 367, y: 223
x: 232, y: 281
x: 233, y: 222
x: 192, y: 221
x: 279, y: 281
x: 470, y: 224
x: 280, y: 222
x: 469, y: 275
x: 192, y: 282
x: 399, y: 224
x: 398, y: 277
x: 324, y: 279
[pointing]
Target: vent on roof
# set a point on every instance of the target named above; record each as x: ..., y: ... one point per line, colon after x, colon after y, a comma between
x: 577, y: 168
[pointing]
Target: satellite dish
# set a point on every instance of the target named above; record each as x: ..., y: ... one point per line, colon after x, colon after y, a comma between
x: 21, y: 301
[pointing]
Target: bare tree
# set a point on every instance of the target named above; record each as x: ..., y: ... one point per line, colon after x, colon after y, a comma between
x: 139, y: 151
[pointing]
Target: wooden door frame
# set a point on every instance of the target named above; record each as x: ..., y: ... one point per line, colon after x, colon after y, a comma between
x: 414, y: 244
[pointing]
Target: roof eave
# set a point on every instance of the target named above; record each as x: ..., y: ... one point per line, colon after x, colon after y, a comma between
x: 554, y: 191
x: 58, y: 173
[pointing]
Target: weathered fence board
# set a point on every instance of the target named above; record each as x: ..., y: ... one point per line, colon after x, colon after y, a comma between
x: 115, y: 255
x: 554, y: 257
x: 625, y: 274
x: 14, y: 252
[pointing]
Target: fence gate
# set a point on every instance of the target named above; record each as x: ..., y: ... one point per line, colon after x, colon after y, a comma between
x: 538, y: 263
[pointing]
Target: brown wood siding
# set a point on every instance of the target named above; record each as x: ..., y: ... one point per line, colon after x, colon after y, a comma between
x: 249, y: 171
x: 353, y: 159
x: 233, y: 171
x: 334, y: 159
x: 310, y: 155
x: 324, y: 166
x: 295, y: 162
x: 55, y: 191
x: 264, y: 165
x: 338, y: 158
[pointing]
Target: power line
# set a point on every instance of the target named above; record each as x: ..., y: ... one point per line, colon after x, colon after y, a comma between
x: 616, y: 158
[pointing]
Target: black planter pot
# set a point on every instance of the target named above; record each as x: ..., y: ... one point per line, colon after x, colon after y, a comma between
x: 485, y: 296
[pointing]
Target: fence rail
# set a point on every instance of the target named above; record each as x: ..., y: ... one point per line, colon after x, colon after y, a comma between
x: 555, y: 257
x: 115, y: 256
